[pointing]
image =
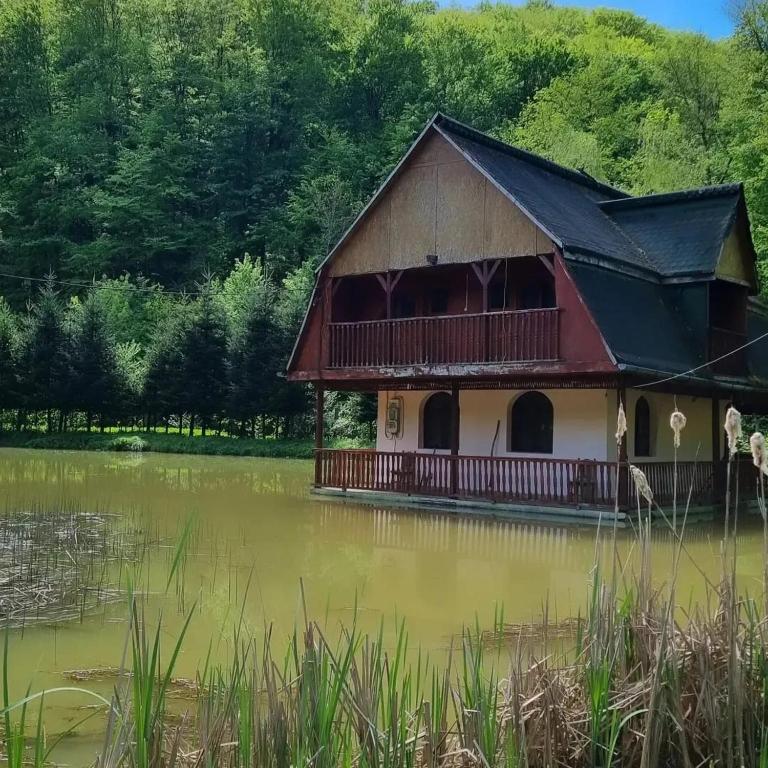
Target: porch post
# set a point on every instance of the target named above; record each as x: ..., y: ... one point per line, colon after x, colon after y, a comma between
x: 716, y: 455
x: 455, y: 416
x: 622, y: 481
x: 319, y: 429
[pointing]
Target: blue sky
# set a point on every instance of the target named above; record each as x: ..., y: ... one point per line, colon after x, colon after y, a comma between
x: 707, y: 16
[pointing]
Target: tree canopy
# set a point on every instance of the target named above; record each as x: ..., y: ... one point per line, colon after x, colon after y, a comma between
x: 145, y: 143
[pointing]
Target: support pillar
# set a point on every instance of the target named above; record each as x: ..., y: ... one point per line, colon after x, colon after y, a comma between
x: 319, y: 430
x: 455, y: 429
x: 622, y: 480
x: 717, y: 479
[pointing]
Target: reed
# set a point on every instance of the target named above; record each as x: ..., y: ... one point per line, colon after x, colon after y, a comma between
x: 635, y: 682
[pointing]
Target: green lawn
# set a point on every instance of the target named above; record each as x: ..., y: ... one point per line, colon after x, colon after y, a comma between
x: 159, y: 442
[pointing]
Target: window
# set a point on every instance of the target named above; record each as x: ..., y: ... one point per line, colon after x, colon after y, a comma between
x: 530, y: 424
x: 436, y: 418
x: 642, y: 428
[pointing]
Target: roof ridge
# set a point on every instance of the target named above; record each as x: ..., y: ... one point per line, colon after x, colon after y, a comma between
x: 663, y: 198
x: 579, y: 177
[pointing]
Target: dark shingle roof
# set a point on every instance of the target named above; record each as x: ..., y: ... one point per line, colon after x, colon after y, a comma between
x: 680, y: 233
x: 645, y: 324
x: 667, y: 235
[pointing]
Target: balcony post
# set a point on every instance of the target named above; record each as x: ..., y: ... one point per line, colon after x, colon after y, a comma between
x: 319, y: 430
x: 455, y: 428
x: 622, y: 481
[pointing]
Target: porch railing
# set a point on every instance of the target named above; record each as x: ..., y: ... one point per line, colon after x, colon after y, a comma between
x: 492, y: 337
x: 509, y: 479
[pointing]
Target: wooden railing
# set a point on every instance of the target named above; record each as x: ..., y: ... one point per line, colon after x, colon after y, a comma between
x: 493, y: 337
x: 509, y: 479
x: 721, y: 342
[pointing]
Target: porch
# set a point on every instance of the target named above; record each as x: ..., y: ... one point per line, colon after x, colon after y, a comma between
x: 525, y: 480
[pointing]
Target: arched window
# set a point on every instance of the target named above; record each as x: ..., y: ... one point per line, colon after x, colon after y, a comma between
x: 642, y: 428
x: 530, y: 424
x: 436, y: 420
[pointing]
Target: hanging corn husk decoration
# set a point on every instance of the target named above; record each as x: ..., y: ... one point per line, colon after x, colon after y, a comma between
x: 733, y: 428
x: 677, y: 422
x: 641, y: 483
x: 621, y: 424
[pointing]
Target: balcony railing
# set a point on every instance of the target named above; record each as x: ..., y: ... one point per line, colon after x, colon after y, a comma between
x: 493, y: 337
x: 722, y: 342
x: 511, y: 479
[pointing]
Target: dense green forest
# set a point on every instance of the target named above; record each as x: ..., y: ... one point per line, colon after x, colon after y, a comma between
x: 171, y: 171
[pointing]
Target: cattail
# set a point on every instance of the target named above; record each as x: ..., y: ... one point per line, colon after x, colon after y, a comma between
x: 641, y: 483
x: 732, y: 428
x: 677, y: 422
x: 621, y: 424
x: 757, y: 446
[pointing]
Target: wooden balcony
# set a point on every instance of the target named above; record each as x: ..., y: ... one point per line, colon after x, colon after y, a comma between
x: 492, y: 337
x: 722, y: 341
x: 541, y: 481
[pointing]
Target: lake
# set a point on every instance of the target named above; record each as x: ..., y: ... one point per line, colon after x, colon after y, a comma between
x: 257, y: 534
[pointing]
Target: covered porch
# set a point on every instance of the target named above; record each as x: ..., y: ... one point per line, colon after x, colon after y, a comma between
x: 539, y: 448
x: 527, y: 481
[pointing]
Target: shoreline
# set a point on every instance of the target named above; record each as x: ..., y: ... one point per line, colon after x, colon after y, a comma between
x: 154, y: 442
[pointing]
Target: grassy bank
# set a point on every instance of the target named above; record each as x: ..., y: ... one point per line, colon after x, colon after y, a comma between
x: 159, y: 442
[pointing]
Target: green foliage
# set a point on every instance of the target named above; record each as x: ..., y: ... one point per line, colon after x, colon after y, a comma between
x: 160, y: 141
x: 143, y: 144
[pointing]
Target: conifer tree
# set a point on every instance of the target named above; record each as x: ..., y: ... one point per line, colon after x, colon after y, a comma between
x: 93, y: 363
x: 204, y: 352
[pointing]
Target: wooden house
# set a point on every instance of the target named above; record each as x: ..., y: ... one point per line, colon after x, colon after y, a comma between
x: 502, y: 305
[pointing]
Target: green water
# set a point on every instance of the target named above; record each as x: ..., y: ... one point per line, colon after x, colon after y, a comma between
x: 257, y: 534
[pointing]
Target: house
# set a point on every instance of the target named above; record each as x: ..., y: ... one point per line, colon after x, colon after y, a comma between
x: 502, y: 306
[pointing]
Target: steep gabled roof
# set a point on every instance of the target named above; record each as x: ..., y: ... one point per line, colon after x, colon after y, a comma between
x: 673, y: 235
x: 658, y: 237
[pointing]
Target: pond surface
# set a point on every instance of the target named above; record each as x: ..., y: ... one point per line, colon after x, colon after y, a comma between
x: 257, y: 535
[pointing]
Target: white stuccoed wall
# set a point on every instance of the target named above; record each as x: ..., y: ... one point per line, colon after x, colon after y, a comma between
x: 696, y: 435
x: 580, y: 422
x: 584, y: 423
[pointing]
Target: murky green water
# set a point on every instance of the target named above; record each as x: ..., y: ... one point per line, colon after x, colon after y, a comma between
x: 258, y: 534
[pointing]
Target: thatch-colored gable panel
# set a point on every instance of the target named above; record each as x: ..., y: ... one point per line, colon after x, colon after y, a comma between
x: 735, y: 261
x: 437, y: 204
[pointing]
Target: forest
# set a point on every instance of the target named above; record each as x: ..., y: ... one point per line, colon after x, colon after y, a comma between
x: 172, y: 171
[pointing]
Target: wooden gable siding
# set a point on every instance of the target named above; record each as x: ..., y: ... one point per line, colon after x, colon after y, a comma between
x: 438, y: 204
x: 736, y: 261
x: 580, y: 338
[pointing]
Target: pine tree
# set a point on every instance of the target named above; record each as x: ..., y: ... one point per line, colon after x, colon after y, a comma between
x: 255, y: 358
x: 204, y: 352
x: 9, y: 349
x: 93, y: 363
x: 45, y: 380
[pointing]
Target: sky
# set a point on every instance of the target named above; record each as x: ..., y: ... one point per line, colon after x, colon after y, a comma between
x: 709, y: 17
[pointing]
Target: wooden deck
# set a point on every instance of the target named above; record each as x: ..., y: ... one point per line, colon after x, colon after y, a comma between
x: 543, y: 481
x: 490, y: 337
